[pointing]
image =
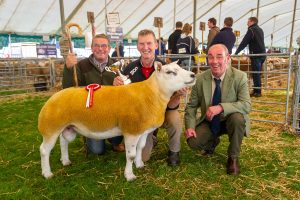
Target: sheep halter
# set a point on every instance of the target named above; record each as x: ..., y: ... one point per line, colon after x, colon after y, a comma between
x: 91, y: 88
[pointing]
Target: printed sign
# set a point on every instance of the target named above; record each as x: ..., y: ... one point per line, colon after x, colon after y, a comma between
x: 158, y: 22
x: 46, y: 49
x: 113, y: 19
x: 202, y: 26
x: 90, y: 16
x: 114, y: 33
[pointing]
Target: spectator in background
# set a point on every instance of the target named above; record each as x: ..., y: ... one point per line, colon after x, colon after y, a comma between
x: 92, y: 70
x: 121, y: 51
x: 298, y: 42
x: 255, y: 38
x: 172, y: 41
x: 162, y: 47
x: 226, y: 35
x: 186, y: 45
x: 213, y: 30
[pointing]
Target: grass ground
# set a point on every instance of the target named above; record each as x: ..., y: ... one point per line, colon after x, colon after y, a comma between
x: 270, y: 164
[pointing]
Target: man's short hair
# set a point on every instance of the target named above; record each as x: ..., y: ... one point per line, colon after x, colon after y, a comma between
x: 213, y: 21
x: 223, y: 47
x: 253, y: 19
x: 228, y: 21
x: 179, y: 24
x: 145, y: 32
x: 102, y: 35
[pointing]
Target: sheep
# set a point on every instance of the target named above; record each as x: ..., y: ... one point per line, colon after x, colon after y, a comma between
x: 133, y: 110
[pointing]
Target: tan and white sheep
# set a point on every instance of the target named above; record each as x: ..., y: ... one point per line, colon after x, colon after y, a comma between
x: 132, y: 110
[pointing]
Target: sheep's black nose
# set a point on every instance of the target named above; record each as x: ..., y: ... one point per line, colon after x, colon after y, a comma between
x: 192, y: 75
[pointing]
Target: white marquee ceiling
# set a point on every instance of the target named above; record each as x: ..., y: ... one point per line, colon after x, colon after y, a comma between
x: 43, y: 16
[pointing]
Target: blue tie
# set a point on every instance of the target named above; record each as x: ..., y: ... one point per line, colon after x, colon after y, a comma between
x: 215, y: 122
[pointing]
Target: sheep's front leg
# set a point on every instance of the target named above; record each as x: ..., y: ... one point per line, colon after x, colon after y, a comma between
x: 141, y: 144
x: 130, y: 147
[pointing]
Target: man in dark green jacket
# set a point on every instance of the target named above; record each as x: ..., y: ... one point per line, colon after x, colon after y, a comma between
x: 92, y: 70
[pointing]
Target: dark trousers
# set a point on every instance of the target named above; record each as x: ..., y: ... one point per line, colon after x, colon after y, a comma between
x: 256, y: 64
x: 234, y: 126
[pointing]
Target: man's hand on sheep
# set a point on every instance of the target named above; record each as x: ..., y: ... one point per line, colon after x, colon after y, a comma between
x: 175, y: 99
x: 71, y: 60
x: 182, y: 92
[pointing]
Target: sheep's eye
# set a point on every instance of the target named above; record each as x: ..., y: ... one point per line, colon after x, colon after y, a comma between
x: 171, y: 72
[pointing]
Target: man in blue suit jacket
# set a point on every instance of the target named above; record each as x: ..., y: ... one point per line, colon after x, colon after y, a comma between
x: 233, y: 109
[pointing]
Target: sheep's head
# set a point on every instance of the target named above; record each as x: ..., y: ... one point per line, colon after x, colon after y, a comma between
x: 173, y: 77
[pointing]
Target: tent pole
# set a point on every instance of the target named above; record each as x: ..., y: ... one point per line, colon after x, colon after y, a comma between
x: 105, y: 16
x: 257, y: 10
x: 292, y: 30
x: 194, y: 18
x: 174, y: 14
x: 272, y: 35
x: 220, y: 12
x: 62, y: 15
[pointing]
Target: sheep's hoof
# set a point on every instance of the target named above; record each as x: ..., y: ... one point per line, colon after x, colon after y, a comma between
x: 66, y: 162
x: 130, y: 177
x: 139, y: 164
x: 47, y: 175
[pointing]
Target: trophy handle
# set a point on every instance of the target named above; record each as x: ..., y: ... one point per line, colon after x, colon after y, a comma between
x: 125, y: 79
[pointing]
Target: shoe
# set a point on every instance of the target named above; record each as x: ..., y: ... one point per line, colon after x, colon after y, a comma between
x: 118, y: 148
x: 233, y: 166
x: 210, y: 152
x: 173, y: 158
x: 255, y: 94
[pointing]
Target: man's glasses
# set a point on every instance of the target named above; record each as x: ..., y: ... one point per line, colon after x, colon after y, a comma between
x: 102, y: 46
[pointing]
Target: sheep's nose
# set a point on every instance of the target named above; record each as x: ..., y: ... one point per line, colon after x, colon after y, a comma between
x: 192, y: 75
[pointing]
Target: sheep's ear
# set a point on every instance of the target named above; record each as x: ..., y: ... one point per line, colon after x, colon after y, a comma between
x: 157, y: 66
x: 176, y: 62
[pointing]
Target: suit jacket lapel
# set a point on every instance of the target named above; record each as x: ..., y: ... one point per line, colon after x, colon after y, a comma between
x: 207, y: 88
x: 228, y: 80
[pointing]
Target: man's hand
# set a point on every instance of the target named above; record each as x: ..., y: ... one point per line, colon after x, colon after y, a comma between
x: 175, y: 98
x: 71, y: 60
x: 182, y: 92
x: 212, y: 111
x: 190, y: 132
x: 118, y: 81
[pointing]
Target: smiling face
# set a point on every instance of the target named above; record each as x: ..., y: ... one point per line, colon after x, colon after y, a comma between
x: 218, y: 59
x: 146, y: 46
x: 100, y: 49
